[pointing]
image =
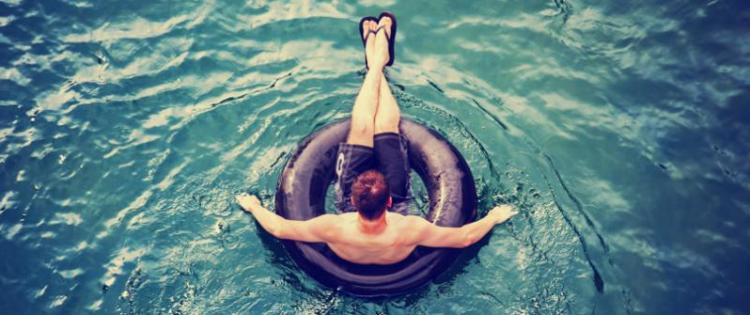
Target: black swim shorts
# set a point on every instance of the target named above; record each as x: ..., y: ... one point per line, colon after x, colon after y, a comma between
x: 388, y: 155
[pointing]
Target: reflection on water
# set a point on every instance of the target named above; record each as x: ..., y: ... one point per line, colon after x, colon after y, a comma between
x: 619, y: 130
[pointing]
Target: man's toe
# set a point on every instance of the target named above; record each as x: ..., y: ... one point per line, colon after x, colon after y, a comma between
x: 386, y: 24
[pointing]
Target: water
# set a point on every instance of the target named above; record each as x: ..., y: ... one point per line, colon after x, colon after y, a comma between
x: 619, y: 129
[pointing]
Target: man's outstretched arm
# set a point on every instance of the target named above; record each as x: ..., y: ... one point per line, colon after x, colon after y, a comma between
x: 318, y: 229
x: 430, y: 235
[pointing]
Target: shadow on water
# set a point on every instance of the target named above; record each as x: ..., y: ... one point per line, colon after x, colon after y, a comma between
x: 598, y: 282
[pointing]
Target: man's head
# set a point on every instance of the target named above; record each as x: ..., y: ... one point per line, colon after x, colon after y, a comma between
x: 370, y: 194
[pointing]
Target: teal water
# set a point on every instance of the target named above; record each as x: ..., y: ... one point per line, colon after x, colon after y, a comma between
x: 618, y: 128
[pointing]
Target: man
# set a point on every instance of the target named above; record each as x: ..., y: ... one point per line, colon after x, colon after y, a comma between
x: 366, y: 232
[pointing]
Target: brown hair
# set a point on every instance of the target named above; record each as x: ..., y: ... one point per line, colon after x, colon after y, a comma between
x: 370, y: 194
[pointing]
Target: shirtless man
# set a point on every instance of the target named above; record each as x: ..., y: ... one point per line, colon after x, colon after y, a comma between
x: 373, y: 227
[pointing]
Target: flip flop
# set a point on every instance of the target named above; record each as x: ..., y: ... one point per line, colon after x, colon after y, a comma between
x: 364, y: 36
x: 391, y: 38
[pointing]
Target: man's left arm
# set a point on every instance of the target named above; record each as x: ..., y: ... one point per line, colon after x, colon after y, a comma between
x: 318, y: 229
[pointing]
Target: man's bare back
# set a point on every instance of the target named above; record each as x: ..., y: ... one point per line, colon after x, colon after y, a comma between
x: 388, y: 246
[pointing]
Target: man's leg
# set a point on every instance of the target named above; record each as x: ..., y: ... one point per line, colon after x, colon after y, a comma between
x: 366, y: 104
x: 387, y: 116
x: 363, y: 113
x: 356, y: 156
x: 390, y: 147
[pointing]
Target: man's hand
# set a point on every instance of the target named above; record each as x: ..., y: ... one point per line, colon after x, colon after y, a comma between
x: 248, y: 202
x: 502, y: 213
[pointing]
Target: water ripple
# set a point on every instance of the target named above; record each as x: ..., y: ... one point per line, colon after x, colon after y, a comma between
x: 618, y: 131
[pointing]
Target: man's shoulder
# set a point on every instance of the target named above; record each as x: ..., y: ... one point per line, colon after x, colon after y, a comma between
x: 327, y: 226
x: 410, y: 218
x: 334, y: 222
x: 331, y: 218
x: 411, y: 223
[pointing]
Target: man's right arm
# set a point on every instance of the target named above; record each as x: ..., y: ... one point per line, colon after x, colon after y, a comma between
x: 430, y: 235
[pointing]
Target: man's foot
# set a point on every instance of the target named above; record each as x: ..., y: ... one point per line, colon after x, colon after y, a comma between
x: 380, y: 56
x: 369, y: 28
x: 387, y: 22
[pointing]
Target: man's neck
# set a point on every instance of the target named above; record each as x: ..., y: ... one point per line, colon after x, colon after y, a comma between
x: 372, y: 226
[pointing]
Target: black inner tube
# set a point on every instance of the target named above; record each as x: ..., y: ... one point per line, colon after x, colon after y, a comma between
x: 301, y: 195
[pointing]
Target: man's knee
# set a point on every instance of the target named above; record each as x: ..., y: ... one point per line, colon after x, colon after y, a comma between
x: 362, y: 126
x: 361, y: 131
x: 387, y: 123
